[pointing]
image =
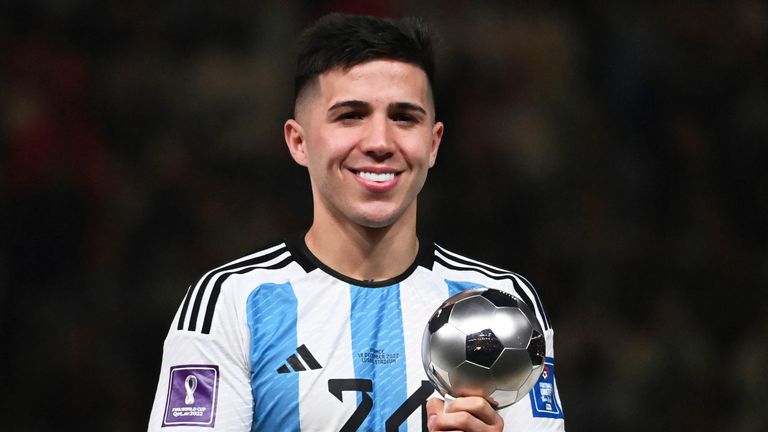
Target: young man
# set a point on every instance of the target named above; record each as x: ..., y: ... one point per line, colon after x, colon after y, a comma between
x: 322, y: 331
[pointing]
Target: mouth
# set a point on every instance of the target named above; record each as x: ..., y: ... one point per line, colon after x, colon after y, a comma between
x: 377, y: 180
x: 376, y: 177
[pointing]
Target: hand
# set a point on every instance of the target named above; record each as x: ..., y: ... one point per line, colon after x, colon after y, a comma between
x: 468, y: 414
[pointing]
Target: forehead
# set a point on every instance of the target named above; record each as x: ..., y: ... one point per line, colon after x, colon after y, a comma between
x: 377, y: 80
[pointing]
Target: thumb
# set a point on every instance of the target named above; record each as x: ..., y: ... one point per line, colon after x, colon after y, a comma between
x: 434, y: 408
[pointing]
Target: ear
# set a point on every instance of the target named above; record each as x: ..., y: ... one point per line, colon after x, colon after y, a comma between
x: 437, y: 137
x: 294, y: 138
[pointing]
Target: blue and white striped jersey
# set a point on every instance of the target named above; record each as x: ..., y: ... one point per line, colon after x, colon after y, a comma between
x: 277, y: 341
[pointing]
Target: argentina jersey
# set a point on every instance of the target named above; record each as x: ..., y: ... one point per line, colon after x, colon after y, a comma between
x: 277, y: 341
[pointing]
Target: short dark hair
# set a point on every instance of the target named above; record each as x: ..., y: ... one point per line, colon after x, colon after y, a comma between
x: 343, y: 41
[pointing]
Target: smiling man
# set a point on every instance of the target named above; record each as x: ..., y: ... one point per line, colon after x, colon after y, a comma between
x: 321, y: 331
x: 368, y: 136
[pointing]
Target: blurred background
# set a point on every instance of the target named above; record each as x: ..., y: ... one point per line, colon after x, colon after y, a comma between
x: 612, y: 152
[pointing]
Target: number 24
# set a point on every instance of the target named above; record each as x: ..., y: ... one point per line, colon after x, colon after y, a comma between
x: 365, y: 386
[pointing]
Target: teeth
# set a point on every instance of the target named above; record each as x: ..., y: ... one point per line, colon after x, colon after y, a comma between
x: 376, y: 176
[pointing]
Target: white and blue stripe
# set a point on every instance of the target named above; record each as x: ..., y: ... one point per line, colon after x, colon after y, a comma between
x: 252, y: 315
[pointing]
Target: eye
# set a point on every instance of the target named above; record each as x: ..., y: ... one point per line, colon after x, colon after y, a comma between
x: 350, y: 116
x: 404, y: 118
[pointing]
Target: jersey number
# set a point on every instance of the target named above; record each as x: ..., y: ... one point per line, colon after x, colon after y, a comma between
x: 365, y: 386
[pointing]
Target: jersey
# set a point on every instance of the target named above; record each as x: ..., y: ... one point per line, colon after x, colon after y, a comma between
x: 277, y: 341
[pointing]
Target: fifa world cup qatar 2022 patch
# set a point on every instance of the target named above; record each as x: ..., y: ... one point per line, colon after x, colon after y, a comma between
x: 192, y: 395
x: 543, y: 397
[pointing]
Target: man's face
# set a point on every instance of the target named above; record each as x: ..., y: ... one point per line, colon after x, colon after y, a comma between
x: 368, y: 137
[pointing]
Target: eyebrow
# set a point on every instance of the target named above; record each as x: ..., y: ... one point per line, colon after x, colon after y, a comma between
x: 397, y: 106
x: 407, y: 106
x: 349, y: 104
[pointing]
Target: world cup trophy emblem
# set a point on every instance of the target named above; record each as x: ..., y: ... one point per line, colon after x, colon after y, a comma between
x: 190, y: 384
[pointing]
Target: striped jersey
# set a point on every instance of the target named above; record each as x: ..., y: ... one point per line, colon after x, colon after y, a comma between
x: 277, y: 341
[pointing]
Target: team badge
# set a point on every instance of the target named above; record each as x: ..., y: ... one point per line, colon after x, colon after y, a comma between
x: 543, y: 398
x: 192, y: 394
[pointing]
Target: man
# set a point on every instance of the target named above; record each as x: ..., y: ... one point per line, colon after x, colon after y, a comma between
x: 322, y: 331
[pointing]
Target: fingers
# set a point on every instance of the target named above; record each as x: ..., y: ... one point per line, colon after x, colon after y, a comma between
x: 463, y: 414
x: 477, y: 406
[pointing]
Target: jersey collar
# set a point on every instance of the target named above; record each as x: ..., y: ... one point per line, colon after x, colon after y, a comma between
x: 309, y: 262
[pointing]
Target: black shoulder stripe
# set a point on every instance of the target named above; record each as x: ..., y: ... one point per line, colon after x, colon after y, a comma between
x: 536, y: 295
x: 180, y: 325
x: 508, y: 276
x: 213, y: 299
x: 536, y: 298
x: 464, y: 261
x: 203, y: 284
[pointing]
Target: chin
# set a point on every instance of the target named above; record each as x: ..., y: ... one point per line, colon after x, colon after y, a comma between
x: 376, y: 224
x: 378, y: 221
x: 381, y: 216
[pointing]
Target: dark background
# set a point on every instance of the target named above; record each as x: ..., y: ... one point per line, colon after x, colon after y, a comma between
x: 612, y: 152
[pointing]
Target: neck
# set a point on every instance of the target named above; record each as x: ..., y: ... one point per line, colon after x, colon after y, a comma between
x: 365, y: 253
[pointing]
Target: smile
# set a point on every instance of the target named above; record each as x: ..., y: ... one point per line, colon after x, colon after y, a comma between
x: 376, y: 177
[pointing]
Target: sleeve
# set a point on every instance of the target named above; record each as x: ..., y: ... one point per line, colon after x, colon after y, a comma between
x: 542, y: 410
x: 204, y: 382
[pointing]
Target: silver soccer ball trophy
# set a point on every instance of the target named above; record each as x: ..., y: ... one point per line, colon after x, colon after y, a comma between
x: 484, y: 342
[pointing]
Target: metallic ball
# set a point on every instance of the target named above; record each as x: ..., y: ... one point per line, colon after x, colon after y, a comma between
x: 484, y: 342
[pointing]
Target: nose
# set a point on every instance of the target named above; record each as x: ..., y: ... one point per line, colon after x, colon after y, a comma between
x: 378, y: 143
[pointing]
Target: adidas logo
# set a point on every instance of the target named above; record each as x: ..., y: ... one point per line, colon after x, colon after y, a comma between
x: 296, y: 364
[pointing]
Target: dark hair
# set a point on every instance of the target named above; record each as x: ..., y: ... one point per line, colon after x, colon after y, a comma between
x: 344, y: 41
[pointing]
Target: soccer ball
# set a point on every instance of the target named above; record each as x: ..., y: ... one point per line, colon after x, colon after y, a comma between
x: 484, y: 342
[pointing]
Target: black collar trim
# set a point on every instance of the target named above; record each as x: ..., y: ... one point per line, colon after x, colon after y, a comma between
x: 309, y: 262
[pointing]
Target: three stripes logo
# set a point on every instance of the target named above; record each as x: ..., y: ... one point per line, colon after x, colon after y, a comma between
x: 296, y: 365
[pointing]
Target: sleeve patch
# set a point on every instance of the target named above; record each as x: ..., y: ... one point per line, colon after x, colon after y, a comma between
x: 543, y: 395
x: 192, y: 395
